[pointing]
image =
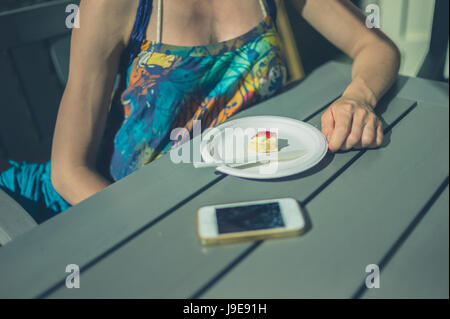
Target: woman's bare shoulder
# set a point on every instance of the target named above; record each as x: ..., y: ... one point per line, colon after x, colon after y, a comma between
x: 104, y: 32
x: 114, y: 19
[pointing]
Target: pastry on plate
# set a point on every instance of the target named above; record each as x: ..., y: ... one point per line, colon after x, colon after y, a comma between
x: 264, y: 142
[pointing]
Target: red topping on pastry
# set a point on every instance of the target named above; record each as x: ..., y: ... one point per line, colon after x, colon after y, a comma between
x: 268, y: 134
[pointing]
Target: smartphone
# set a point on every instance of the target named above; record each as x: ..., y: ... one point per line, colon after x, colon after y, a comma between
x: 254, y: 220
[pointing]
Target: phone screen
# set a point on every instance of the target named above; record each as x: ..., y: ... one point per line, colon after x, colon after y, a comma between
x: 248, y: 218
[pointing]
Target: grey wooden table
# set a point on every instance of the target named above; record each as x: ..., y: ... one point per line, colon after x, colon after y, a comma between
x: 389, y: 207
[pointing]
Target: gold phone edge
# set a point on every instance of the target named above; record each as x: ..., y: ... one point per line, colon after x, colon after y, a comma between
x: 254, y: 235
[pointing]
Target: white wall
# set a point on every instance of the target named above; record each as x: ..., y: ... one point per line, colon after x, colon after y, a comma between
x: 408, y: 23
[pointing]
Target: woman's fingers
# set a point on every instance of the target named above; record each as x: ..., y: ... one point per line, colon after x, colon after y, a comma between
x: 359, y: 120
x: 380, y: 134
x: 369, y: 134
x: 327, y: 123
x: 343, y: 117
x: 378, y: 140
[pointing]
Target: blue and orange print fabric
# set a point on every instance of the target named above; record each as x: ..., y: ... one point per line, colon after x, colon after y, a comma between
x: 171, y: 86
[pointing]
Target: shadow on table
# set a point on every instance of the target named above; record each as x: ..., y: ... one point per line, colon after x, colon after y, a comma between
x: 322, y: 164
x: 313, y: 170
x: 383, y: 106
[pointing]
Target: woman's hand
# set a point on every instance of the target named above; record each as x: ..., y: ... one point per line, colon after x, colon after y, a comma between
x: 349, y: 123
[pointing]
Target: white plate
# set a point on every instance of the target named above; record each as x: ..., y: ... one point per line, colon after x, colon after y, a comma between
x: 292, y: 135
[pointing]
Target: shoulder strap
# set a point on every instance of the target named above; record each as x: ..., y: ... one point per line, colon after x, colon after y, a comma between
x: 272, y: 9
x: 140, y: 26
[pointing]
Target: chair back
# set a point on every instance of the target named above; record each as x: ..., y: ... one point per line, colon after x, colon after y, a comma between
x: 34, y: 63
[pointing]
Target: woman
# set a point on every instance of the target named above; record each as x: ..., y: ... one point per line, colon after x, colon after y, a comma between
x: 184, y: 61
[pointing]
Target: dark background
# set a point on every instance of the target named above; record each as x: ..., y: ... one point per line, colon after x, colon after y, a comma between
x: 14, y: 4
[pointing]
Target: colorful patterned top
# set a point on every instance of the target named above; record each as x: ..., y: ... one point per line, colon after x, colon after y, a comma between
x: 170, y: 86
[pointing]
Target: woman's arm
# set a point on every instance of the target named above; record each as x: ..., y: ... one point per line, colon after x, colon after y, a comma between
x: 350, y: 122
x: 96, y: 46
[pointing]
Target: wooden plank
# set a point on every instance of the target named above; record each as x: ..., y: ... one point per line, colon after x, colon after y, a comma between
x: 17, y: 128
x: 170, y: 250
x: 140, y: 201
x: 32, y: 24
x: 419, y: 269
x: 354, y: 221
x: 40, y: 84
x: 14, y: 220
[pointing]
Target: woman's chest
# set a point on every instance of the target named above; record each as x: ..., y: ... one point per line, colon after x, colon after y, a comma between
x: 200, y: 22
